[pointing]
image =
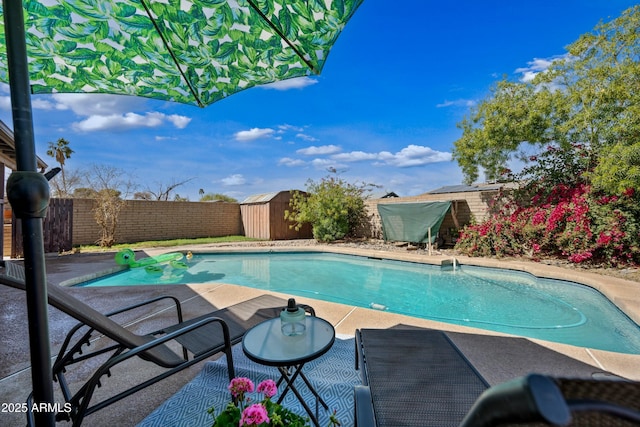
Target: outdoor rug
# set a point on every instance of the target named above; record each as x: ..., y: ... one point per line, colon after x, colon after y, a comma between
x: 333, y: 375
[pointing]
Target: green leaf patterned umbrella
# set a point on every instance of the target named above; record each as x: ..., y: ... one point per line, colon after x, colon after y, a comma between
x: 195, y: 52
x: 189, y: 51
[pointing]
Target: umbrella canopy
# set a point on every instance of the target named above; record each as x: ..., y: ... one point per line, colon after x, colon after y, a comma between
x: 196, y: 52
x: 188, y: 51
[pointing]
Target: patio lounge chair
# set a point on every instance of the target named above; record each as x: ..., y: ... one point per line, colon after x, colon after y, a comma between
x: 203, y: 337
x: 418, y: 377
x: 543, y: 400
x: 412, y: 377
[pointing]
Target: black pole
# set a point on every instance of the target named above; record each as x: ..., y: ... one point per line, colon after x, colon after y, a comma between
x: 28, y: 193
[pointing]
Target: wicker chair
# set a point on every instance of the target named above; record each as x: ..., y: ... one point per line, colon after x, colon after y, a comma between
x: 542, y: 400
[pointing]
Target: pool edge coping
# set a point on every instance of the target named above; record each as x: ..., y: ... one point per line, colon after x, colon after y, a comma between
x: 621, y: 292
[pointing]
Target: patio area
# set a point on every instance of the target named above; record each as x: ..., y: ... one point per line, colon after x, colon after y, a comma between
x: 497, y: 357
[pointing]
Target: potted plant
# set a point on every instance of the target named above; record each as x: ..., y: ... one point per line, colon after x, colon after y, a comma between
x: 243, y: 411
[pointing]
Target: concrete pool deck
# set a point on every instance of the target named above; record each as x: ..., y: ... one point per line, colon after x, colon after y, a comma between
x: 498, y: 357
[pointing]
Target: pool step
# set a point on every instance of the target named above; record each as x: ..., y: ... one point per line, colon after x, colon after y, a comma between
x: 449, y: 264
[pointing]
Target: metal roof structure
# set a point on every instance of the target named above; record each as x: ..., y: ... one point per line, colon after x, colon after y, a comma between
x: 266, y: 197
x: 260, y: 198
x: 467, y: 188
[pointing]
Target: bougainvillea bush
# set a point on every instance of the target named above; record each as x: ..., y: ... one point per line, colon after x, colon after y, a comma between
x: 576, y: 223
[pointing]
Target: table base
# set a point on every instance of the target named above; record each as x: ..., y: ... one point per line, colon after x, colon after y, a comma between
x: 285, y: 375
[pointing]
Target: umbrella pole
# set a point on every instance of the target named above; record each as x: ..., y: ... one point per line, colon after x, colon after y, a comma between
x: 28, y: 193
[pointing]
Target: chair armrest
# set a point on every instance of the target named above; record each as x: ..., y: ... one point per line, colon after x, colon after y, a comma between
x: 534, y: 398
x: 363, y: 407
x: 361, y: 364
x: 139, y: 351
x: 147, y: 302
x: 85, y: 338
x: 307, y: 308
x: 618, y: 411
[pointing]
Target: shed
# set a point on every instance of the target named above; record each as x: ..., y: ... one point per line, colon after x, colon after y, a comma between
x: 263, y: 217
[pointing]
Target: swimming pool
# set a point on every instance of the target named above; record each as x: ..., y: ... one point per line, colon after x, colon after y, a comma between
x: 487, y: 298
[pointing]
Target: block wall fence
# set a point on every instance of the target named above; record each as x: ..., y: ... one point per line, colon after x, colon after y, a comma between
x: 142, y: 220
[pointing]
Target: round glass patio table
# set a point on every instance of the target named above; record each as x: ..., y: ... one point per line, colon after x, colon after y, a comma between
x: 266, y: 344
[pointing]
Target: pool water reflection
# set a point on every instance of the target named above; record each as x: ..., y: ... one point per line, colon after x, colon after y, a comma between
x: 492, y: 299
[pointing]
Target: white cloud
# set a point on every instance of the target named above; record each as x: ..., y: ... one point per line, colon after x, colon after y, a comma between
x: 286, y: 127
x: 457, y: 103
x: 38, y: 103
x: 5, y: 103
x: 414, y: 155
x: 86, y: 104
x: 178, y: 121
x: 410, y: 156
x: 127, y: 121
x: 538, y: 65
x: 306, y: 137
x: 232, y: 180
x: 253, y: 134
x: 319, y: 151
x: 102, y: 112
x: 295, y: 83
x: 288, y: 161
x: 356, y: 156
x: 117, y: 122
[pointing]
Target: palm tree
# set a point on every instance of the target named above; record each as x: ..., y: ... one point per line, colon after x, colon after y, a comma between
x: 61, y: 152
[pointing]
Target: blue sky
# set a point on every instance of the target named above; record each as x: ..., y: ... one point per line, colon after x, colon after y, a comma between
x: 383, y: 111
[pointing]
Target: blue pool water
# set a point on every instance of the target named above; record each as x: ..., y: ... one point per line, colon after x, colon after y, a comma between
x: 492, y: 299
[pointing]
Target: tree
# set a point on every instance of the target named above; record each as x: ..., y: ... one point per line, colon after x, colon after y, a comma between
x: 576, y: 127
x: 61, y: 151
x: 583, y: 105
x: 163, y: 192
x: 333, y: 207
x: 73, y: 179
x: 108, y: 185
x: 210, y: 197
x: 106, y: 211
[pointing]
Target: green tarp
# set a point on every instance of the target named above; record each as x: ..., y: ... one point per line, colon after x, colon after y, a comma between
x: 411, y: 222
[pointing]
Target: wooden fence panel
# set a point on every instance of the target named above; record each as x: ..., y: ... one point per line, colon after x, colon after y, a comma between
x: 57, y: 229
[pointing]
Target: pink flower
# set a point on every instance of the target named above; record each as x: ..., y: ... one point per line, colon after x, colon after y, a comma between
x: 254, y: 415
x: 538, y: 218
x: 580, y: 257
x: 268, y: 387
x: 239, y: 386
x: 604, y: 239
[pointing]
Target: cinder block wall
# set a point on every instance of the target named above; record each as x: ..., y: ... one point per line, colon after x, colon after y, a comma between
x: 142, y: 220
x: 154, y: 220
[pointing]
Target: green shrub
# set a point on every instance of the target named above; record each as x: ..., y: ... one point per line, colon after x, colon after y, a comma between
x: 333, y: 207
